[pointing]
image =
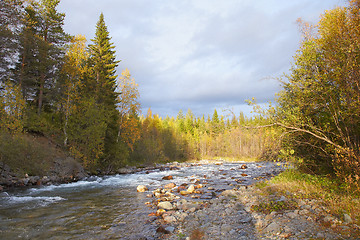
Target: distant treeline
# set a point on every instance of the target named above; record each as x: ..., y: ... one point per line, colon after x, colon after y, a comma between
x: 189, y: 137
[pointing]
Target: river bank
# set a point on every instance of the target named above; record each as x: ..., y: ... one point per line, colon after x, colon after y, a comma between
x: 202, y: 209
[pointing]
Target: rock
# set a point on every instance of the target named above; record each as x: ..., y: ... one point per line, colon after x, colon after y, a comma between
x: 226, y: 228
x: 169, y: 219
x: 191, y: 188
x: 347, y: 219
x: 185, y: 193
x: 320, y: 235
x: 243, y: 166
x: 260, y: 223
x: 246, y: 220
x: 286, y: 235
x: 167, y: 177
x: 169, y: 229
x: 208, y: 195
x: 304, y: 212
x: 229, y: 193
x: 165, y: 205
x: 170, y: 185
x: 292, y: 215
x: 160, y: 212
x: 193, y: 209
x: 125, y: 170
x: 273, y: 227
x: 188, y: 206
x: 282, y: 199
x: 162, y: 229
x: 181, y: 216
x: 328, y: 218
x: 141, y: 188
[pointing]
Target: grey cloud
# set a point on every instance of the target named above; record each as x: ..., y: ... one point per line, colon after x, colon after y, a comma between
x: 199, y: 54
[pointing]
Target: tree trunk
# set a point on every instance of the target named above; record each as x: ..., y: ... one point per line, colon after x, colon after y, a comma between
x: 41, y: 93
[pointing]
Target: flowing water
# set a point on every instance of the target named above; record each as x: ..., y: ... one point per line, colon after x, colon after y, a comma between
x: 106, y: 207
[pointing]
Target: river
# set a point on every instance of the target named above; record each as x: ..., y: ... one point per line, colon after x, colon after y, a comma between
x: 108, y: 207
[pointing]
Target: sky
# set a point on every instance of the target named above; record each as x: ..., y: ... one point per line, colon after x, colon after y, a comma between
x: 200, y: 54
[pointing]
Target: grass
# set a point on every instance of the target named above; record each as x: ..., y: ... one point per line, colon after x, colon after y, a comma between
x: 26, y: 154
x: 330, y: 192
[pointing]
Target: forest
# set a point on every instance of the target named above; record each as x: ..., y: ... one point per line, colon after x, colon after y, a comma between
x: 58, y: 87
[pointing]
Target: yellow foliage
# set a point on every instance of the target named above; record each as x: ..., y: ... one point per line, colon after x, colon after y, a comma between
x: 12, y: 106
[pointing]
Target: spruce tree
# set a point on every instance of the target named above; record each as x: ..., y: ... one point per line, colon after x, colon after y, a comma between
x: 103, y: 62
x: 102, y: 85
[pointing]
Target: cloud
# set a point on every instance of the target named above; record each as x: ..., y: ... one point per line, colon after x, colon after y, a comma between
x: 199, y: 54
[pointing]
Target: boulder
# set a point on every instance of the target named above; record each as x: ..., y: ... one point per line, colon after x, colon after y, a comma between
x: 141, y: 188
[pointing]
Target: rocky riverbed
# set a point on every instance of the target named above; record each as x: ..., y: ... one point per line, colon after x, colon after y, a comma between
x: 202, y: 200
x: 229, y: 208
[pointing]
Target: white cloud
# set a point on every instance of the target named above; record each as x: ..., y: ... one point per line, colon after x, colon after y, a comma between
x: 199, y: 54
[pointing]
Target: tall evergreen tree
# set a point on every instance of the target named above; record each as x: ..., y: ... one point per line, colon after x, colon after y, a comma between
x: 102, y: 85
x: 104, y: 63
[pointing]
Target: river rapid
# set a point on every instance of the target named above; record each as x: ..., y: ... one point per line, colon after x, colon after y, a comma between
x: 109, y: 207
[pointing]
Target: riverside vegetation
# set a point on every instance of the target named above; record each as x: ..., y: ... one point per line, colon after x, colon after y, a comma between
x: 57, y: 91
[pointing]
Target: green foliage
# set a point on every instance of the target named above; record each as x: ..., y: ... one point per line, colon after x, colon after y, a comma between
x: 86, y: 133
x: 321, y: 98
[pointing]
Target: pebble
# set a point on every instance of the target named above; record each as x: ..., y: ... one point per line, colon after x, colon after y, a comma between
x: 141, y: 188
x: 169, y: 219
x: 165, y: 205
x: 170, y: 185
